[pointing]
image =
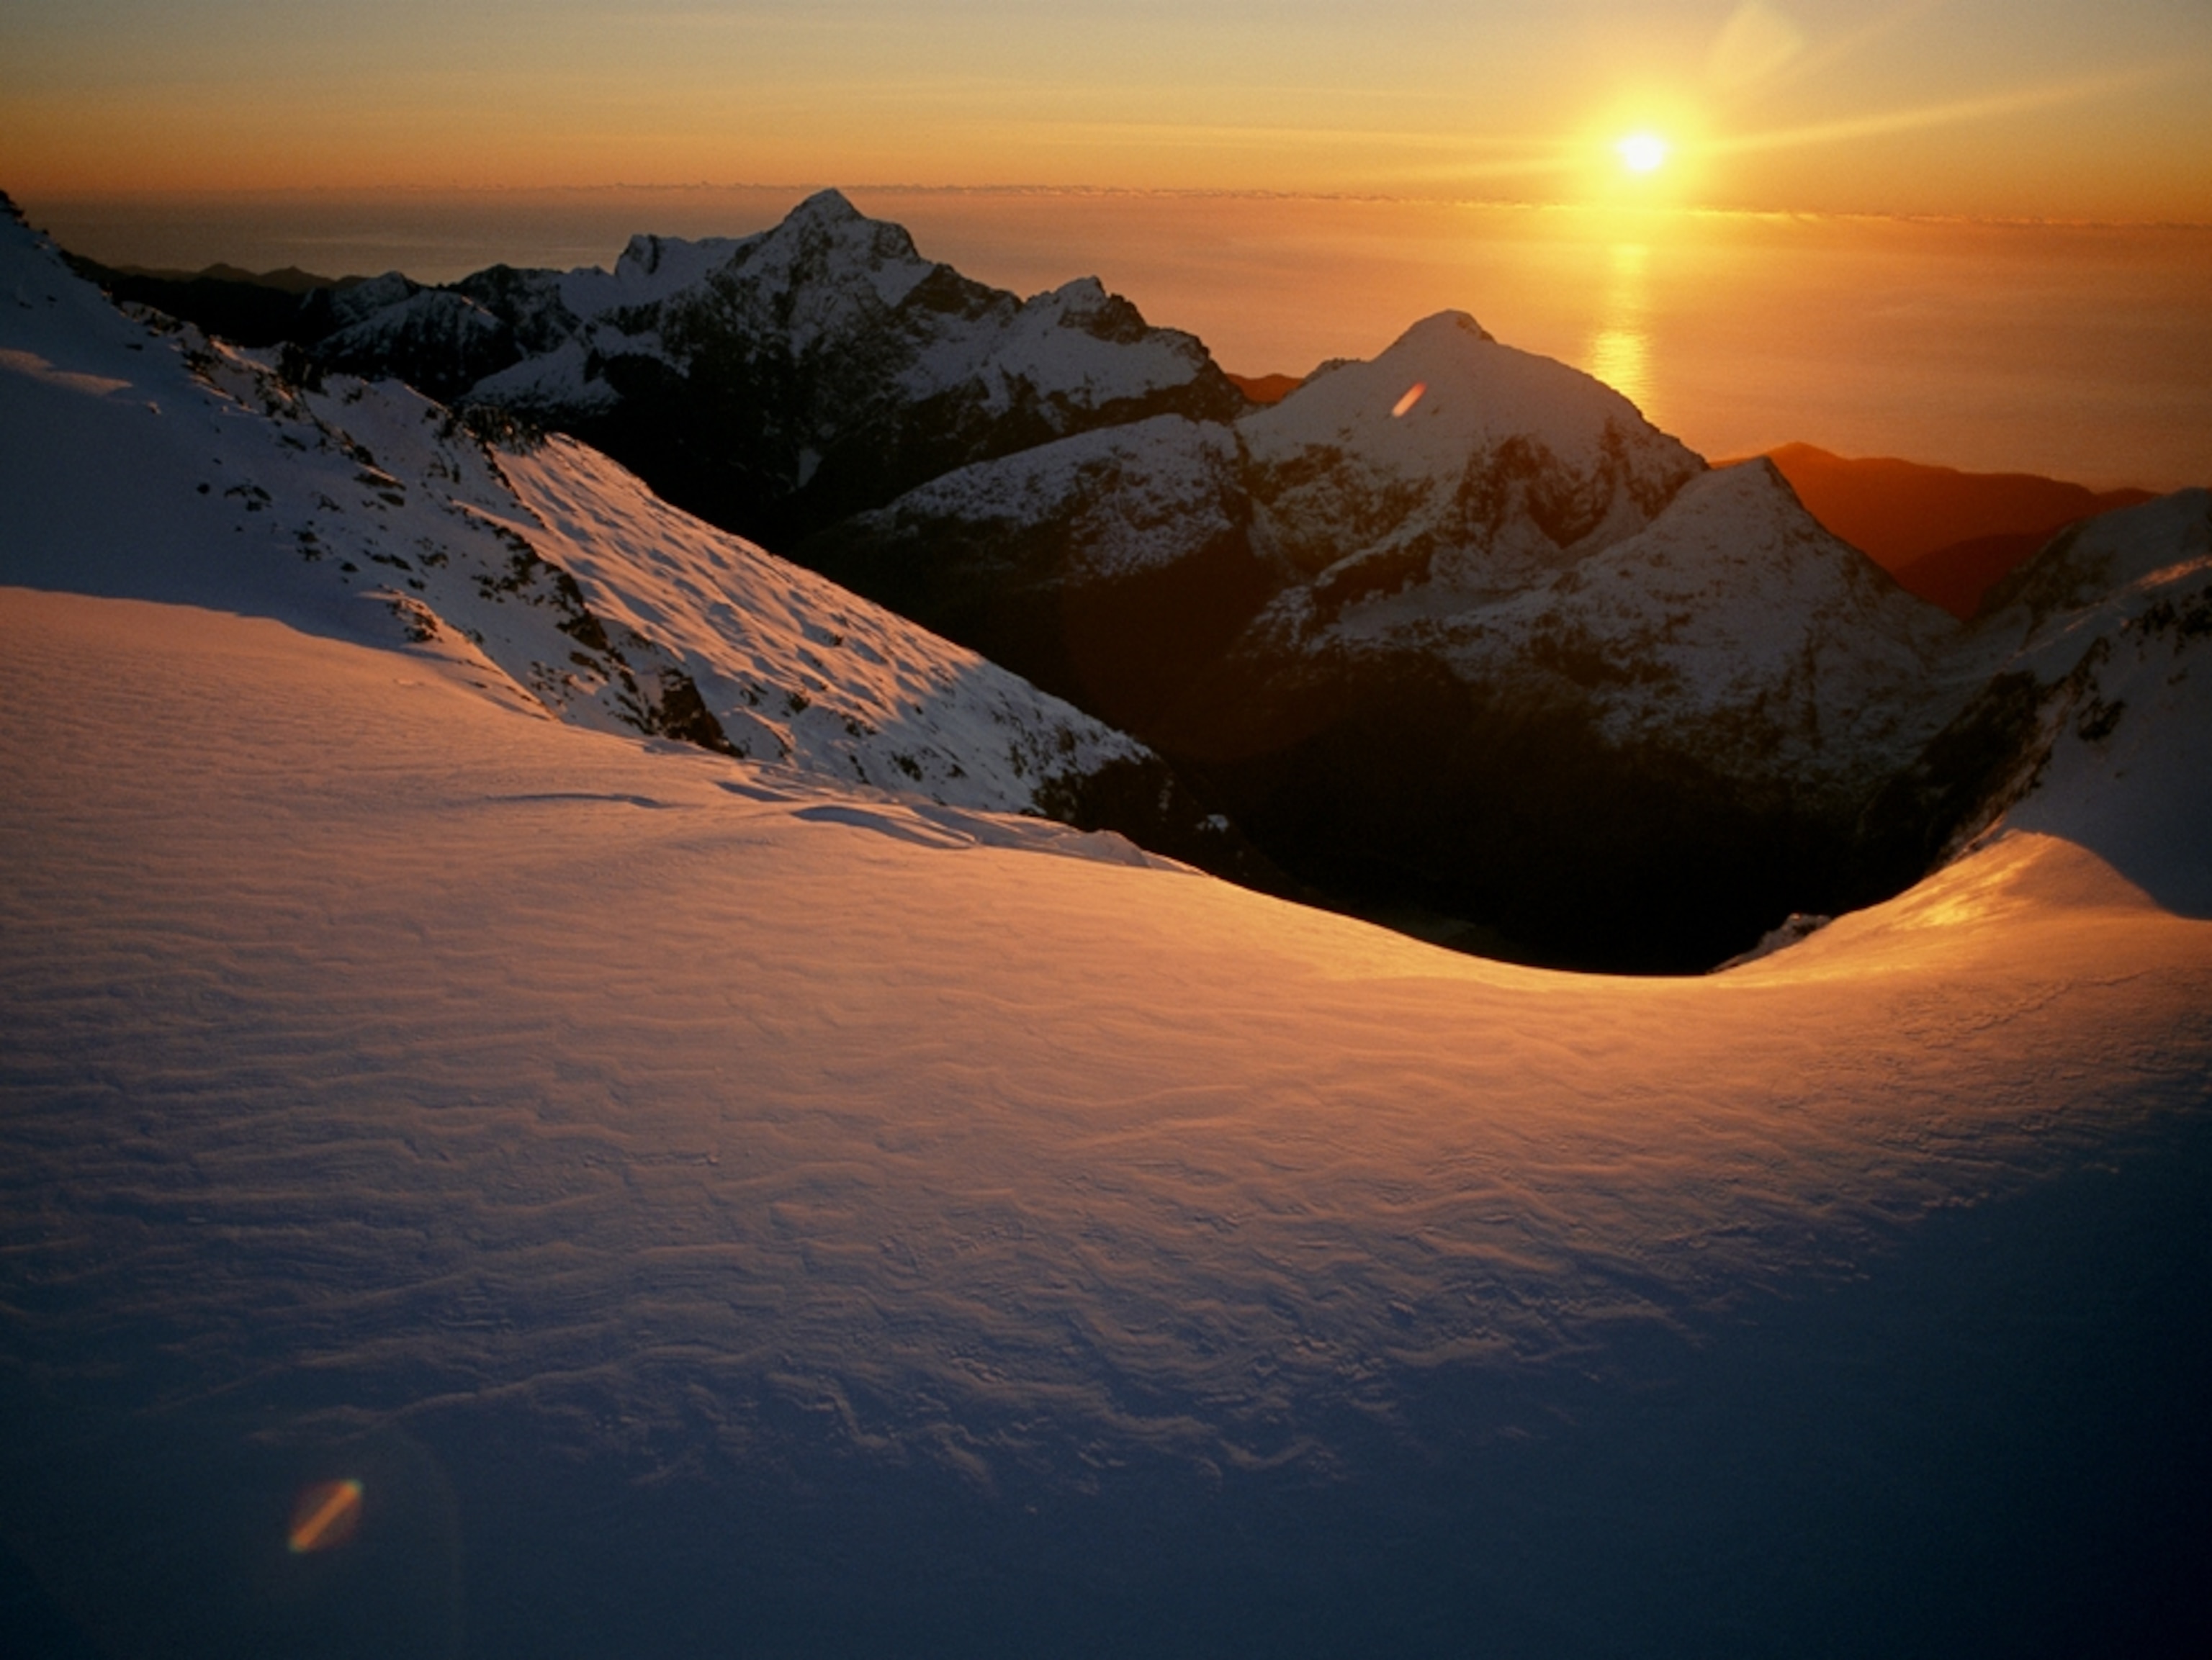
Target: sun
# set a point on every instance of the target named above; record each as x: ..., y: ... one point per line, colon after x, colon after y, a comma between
x: 1643, y: 151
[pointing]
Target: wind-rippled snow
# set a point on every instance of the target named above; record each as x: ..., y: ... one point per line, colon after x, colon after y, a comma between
x: 383, y: 1063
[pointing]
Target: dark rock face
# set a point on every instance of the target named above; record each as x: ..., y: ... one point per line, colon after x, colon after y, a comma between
x: 824, y: 368
x: 729, y: 440
x: 1111, y: 568
x: 1469, y: 802
x: 526, y: 303
x: 1146, y: 801
x: 1965, y: 767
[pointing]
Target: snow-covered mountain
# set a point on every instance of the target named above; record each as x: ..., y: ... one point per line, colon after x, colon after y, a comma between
x: 1665, y: 739
x: 1456, y: 636
x: 141, y: 458
x: 777, y: 382
x: 2099, y: 651
x: 1457, y: 627
x: 1454, y: 462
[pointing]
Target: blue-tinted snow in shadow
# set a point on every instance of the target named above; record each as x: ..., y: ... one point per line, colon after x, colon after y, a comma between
x: 2015, y: 1468
x: 731, y: 1231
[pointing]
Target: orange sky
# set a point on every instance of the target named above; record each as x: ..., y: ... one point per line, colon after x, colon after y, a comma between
x: 2032, y: 108
x: 1294, y: 180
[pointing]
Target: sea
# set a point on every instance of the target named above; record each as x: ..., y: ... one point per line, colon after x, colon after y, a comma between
x: 2076, y: 350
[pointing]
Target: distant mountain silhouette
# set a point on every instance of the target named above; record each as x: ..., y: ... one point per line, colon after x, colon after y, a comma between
x: 253, y: 308
x: 1958, y: 576
x: 288, y: 279
x: 1265, y: 388
x: 1945, y: 535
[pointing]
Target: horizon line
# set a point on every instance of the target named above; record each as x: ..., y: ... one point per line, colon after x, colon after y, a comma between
x: 359, y: 192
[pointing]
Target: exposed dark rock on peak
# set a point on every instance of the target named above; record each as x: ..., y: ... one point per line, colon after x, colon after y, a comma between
x: 824, y: 206
x: 1429, y: 328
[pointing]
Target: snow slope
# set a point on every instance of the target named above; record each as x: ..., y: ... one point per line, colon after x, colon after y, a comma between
x: 1730, y: 627
x: 711, y: 1211
x: 2111, y: 624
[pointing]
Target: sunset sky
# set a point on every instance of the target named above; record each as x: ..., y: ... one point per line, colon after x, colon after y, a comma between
x: 2034, y: 108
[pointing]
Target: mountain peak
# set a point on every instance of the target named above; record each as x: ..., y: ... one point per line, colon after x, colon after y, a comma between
x: 1086, y: 304
x: 1081, y: 292
x: 828, y: 206
x: 642, y: 253
x: 827, y: 225
x: 1443, y: 326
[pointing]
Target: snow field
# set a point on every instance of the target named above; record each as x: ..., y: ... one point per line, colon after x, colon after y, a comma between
x: 751, y: 1167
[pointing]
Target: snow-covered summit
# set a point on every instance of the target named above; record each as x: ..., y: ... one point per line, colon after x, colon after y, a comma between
x: 1451, y: 442
x: 779, y: 381
x: 824, y: 274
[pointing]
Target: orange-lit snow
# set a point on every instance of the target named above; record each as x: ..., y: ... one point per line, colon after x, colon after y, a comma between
x: 381, y: 1055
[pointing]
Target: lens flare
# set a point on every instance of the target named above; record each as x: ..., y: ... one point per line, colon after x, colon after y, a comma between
x: 1642, y: 152
x: 1412, y: 396
x: 325, y: 1516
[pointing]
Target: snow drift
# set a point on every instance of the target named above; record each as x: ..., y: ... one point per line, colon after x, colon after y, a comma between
x: 711, y: 1213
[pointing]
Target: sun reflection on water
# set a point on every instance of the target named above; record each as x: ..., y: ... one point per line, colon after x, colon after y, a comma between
x: 1618, y: 351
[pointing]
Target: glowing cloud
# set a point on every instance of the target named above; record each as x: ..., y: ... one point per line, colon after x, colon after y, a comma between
x: 1755, y: 42
x: 2016, y: 102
